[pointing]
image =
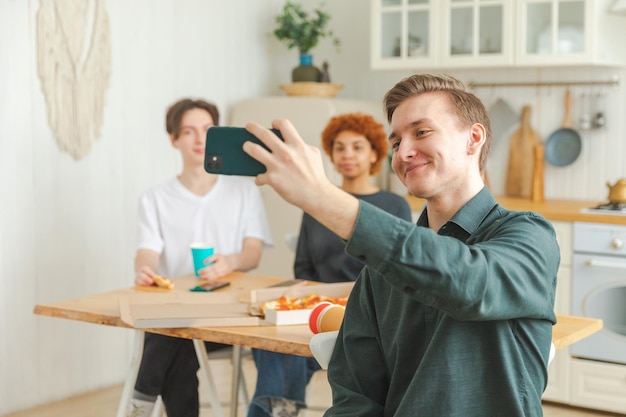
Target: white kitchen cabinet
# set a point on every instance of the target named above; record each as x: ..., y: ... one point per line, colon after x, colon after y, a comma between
x: 404, y: 34
x: 559, y: 371
x: 568, y: 32
x: 564, y: 234
x: 598, y: 385
x: 477, y: 33
x: 559, y: 378
x: 410, y: 34
x: 574, y: 381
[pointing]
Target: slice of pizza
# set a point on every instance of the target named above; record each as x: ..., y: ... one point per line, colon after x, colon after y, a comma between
x: 163, y: 282
x: 301, y: 303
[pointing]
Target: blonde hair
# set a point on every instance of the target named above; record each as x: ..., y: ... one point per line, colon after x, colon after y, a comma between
x: 466, y: 106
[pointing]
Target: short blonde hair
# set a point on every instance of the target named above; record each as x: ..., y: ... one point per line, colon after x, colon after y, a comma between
x: 466, y: 106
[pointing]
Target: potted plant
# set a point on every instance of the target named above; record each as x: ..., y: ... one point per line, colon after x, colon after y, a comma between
x: 299, y: 29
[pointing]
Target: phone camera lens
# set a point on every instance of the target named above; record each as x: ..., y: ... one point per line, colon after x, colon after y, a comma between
x: 214, y: 161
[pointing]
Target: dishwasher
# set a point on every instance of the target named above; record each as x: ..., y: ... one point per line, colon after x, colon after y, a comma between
x: 599, y: 289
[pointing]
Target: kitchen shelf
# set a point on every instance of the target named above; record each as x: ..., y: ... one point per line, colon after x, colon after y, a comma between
x: 612, y: 82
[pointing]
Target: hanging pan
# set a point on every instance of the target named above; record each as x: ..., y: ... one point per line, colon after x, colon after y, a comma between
x: 563, y: 146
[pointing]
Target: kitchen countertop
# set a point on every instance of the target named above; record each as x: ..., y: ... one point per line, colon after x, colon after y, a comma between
x: 555, y: 210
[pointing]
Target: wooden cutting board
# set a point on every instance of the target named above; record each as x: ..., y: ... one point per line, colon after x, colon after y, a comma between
x: 519, y: 177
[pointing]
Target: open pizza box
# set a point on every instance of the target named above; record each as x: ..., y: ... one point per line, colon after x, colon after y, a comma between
x: 259, y: 298
x: 175, y: 309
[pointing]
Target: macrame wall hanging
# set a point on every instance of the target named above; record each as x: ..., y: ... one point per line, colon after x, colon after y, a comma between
x: 74, y: 65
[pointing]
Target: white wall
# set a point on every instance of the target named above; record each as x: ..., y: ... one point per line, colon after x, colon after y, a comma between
x: 67, y: 227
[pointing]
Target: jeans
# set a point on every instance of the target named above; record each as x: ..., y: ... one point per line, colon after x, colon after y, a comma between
x: 169, y: 367
x: 280, y: 376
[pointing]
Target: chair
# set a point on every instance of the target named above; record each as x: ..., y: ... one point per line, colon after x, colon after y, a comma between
x: 291, y: 240
x: 322, y: 345
x: 233, y: 353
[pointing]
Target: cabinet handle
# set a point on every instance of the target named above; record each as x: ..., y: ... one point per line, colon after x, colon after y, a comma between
x: 616, y: 265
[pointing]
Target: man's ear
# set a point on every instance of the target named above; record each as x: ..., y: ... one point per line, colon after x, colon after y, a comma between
x: 477, y: 138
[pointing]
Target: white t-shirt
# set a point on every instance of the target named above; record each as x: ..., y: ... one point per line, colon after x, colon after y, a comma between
x: 171, y: 217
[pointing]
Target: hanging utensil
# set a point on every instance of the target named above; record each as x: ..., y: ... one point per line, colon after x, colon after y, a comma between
x: 599, y: 120
x: 563, y: 146
x: 519, y: 178
x: 503, y: 119
x: 585, y: 112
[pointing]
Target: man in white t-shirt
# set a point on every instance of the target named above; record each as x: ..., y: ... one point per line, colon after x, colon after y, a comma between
x: 193, y: 207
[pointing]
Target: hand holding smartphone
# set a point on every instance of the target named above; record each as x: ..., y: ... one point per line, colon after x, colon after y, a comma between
x: 224, y: 152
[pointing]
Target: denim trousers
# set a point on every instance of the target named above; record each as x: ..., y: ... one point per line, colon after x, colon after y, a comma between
x: 280, y: 377
x: 169, y: 367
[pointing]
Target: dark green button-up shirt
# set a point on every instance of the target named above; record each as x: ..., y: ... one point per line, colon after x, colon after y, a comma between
x: 450, y: 324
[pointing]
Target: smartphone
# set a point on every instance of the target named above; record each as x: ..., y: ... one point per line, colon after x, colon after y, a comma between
x: 224, y: 152
x: 290, y: 282
x: 210, y: 286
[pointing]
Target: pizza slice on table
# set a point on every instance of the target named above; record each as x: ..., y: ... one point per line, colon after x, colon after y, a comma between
x: 301, y: 303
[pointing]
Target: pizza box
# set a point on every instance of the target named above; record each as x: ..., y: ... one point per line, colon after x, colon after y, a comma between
x: 285, y: 317
x: 176, y: 309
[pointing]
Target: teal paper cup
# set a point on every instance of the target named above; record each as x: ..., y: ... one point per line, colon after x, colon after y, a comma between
x: 200, y: 251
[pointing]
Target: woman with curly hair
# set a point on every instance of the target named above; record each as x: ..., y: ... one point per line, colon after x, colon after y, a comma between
x: 357, y: 147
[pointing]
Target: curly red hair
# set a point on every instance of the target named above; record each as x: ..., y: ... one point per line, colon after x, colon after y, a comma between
x: 362, y: 124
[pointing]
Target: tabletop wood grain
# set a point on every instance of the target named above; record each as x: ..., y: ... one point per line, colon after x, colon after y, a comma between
x: 293, y: 339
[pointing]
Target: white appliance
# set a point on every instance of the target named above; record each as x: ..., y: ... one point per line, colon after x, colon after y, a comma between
x: 599, y: 289
x: 309, y: 115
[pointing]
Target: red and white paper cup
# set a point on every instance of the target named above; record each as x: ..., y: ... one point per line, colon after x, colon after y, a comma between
x: 326, y: 317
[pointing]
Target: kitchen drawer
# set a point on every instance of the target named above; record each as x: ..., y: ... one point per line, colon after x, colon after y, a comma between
x: 598, y: 385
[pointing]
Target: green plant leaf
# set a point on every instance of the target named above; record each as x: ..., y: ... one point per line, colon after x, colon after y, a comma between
x: 298, y: 29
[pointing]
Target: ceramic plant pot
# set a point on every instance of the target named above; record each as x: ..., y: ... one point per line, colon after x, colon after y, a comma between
x: 306, y: 71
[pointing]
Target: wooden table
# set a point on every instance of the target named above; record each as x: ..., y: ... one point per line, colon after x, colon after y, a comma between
x: 104, y: 309
x: 571, y: 329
